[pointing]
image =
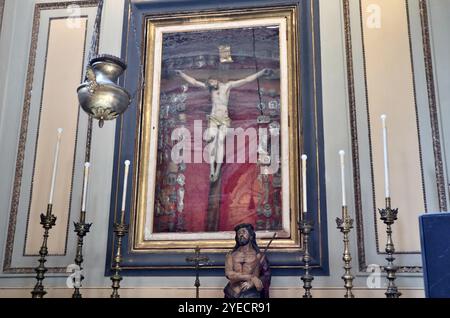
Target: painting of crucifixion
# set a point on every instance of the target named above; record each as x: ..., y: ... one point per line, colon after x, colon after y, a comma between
x: 219, y: 122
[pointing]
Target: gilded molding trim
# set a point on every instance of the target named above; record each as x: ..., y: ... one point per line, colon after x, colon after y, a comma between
x: 354, y: 135
x: 431, y: 90
x: 366, y: 94
x: 415, y: 105
x: 7, y: 268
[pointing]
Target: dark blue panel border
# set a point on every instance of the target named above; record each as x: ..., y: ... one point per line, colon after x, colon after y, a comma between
x: 311, y: 125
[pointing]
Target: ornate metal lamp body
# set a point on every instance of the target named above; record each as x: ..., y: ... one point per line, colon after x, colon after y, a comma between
x: 306, y: 227
x: 388, y: 216
x: 99, y: 95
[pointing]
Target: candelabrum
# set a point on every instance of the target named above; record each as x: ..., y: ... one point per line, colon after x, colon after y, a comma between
x: 48, y: 220
x: 120, y: 230
x: 81, y: 228
x: 198, y: 261
x: 388, y: 216
x: 306, y: 227
x: 345, y: 225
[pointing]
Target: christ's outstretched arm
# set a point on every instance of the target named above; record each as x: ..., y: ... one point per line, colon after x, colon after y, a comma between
x: 190, y: 80
x: 250, y: 78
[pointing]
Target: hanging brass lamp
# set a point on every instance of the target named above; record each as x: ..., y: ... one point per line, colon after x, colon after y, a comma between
x: 99, y: 95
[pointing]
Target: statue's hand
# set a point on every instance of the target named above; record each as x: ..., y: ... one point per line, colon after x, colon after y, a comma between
x: 246, y: 285
x: 257, y: 283
x: 178, y: 72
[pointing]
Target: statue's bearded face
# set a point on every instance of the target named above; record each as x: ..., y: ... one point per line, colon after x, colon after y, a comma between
x: 243, y: 236
x: 213, y: 84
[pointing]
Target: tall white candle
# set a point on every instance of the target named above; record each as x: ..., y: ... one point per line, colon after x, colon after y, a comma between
x: 125, y: 181
x: 342, y: 155
x: 305, y: 204
x: 85, y: 185
x: 386, y: 162
x: 55, y: 165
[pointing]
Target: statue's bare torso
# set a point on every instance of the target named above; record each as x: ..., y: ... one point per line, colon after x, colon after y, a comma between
x: 243, y: 265
x: 246, y: 263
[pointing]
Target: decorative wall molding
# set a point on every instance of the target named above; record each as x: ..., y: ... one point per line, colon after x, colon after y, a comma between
x: 45, y: 135
x: 39, y: 8
x: 409, y: 198
x: 361, y: 235
x: 354, y: 134
x: 431, y: 90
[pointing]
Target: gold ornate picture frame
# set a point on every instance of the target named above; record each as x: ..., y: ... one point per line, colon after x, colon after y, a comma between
x: 229, y: 46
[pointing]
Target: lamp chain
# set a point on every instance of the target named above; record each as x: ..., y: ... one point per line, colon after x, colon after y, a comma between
x: 95, y: 35
x: 139, y: 52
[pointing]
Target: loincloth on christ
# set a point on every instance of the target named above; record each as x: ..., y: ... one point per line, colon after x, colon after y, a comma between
x: 219, y: 121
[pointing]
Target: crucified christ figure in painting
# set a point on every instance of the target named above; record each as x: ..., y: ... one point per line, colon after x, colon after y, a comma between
x: 218, y: 119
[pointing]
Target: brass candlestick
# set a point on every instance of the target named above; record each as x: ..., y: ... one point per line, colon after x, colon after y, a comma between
x: 345, y: 225
x: 48, y: 220
x: 81, y: 228
x: 388, y: 216
x: 120, y: 230
x: 197, y: 259
x: 306, y: 227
